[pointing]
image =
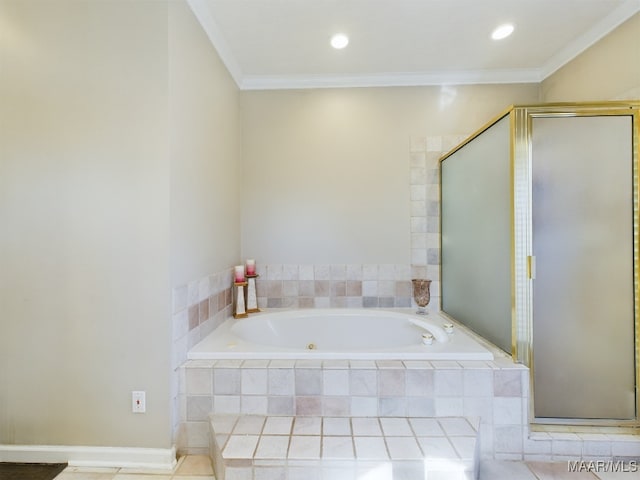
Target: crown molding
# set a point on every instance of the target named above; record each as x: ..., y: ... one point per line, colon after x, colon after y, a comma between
x: 209, y: 25
x: 468, y: 77
x: 590, y: 37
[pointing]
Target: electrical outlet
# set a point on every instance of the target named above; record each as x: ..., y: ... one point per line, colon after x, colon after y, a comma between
x: 138, y: 402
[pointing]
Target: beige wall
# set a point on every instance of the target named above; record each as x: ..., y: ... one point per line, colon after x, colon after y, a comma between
x: 204, y: 130
x: 609, y: 70
x: 119, y: 155
x: 326, y: 172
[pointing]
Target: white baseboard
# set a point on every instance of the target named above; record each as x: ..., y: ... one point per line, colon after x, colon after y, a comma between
x: 80, y: 456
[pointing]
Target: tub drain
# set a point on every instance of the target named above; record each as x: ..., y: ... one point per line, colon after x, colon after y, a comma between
x: 311, y: 346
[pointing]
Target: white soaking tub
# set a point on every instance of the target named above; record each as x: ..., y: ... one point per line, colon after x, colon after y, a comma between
x: 335, y: 333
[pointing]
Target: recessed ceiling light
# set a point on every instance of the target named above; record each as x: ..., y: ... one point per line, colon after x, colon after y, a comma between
x: 339, y: 40
x: 503, y: 31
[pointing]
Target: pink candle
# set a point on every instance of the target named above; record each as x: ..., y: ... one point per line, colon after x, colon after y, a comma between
x: 239, y: 273
x: 251, y: 267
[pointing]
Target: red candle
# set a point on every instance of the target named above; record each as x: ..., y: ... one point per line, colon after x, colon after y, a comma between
x: 251, y: 266
x: 239, y: 273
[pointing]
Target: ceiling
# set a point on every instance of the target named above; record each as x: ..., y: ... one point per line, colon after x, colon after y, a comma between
x: 271, y: 44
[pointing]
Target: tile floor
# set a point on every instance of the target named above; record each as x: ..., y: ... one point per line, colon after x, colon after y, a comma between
x: 198, y: 467
x: 190, y: 467
x: 416, y: 446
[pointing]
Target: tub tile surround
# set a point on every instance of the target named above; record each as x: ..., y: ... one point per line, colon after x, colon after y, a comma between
x: 496, y: 392
x: 340, y: 285
x: 493, y: 391
x: 198, y: 308
x: 424, y: 178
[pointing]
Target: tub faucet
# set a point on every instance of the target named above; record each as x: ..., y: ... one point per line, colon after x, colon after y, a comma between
x: 435, y: 330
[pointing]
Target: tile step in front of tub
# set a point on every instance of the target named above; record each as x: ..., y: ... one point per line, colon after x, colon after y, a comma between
x: 256, y: 447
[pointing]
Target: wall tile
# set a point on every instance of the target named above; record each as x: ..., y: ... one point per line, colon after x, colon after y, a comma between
x: 306, y: 288
x: 508, y: 439
x: 386, y: 288
x: 198, y: 381
x: 306, y: 272
x: 386, y: 302
x: 370, y: 302
x: 336, y: 406
x: 290, y: 272
x: 355, y: 302
x: 448, y: 406
x: 421, y: 407
x: 338, y: 272
x: 274, y: 272
x: 507, y: 383
x: 226, y: 381
x: 419, y: 383
x: 308, y: 405
x: 322, y: 272
x: 336, y: 382
x: 363, y: 382
x: 180, y: 324
x: 253, y: 381
x: 199, y: 407
x: 353, y: 288
x: 391, y: 382
x: 226, y: 404
x: 280, y: 381
x: 203, y: 310
x: 308, y: 381
x: 392, y: 406
x: 354, y: 272
x: 364, y: 406
x: 478, y: 407
x: 306, y: 302
x: 290, y: 288
x: 194, y: 316
x: 448, y: 382
x: 274, y: 288
x: 322, y: 302
x: 322, y: 288
x: 179, y: 298
x: 478, y: 383
x: 338, y: 288
x: 253, y: 405
x: 280, y: 405
x: 193, y: 292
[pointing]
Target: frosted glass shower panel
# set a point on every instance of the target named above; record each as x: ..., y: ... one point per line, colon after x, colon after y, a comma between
x: 476, y: 234
x: 583, y: 298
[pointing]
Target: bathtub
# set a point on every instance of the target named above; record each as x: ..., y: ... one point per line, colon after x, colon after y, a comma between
x: 348, y: 334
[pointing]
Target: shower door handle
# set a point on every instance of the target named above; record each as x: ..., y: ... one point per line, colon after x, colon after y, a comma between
x: 531, y: 267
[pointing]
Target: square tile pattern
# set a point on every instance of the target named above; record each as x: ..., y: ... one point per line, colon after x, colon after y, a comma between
x: 348, y: 394
x: 495, y: 391
x: 262, y: 446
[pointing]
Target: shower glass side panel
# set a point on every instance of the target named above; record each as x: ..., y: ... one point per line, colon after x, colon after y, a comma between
x: 583, y: 290
x: 476, y: 233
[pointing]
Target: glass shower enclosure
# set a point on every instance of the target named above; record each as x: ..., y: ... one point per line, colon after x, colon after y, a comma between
x: 539, y: 239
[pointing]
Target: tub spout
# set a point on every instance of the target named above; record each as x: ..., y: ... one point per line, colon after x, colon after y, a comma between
x: 435, y: 330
